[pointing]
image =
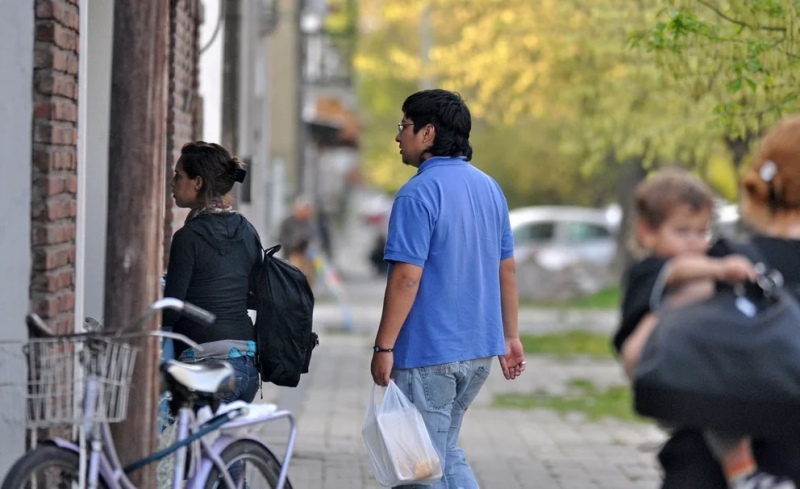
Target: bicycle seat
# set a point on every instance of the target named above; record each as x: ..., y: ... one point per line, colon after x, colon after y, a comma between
x: 207, y: 377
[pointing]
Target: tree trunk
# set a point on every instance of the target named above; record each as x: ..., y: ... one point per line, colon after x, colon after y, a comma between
x: 631, y: 173
x: 136, y: 204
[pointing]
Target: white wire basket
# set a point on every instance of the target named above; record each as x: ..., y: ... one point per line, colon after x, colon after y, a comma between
x: 58, y: 371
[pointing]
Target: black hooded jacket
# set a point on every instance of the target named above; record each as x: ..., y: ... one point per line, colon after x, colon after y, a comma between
x: 211, y: 265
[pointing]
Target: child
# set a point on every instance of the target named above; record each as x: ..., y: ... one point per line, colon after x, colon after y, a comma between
x: 674, y: 211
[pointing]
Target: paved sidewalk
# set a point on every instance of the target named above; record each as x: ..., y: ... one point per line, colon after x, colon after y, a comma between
x: 507, y: 448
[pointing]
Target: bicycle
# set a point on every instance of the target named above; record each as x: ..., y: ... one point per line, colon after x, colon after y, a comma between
x: 233, y: 458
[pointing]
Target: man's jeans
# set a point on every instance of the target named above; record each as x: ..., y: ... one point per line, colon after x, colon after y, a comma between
x: 442, y: 394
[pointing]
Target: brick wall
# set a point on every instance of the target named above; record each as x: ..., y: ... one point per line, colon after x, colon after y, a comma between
x: 184, y: 116
x: 55, y: 120
x: 54, y: 178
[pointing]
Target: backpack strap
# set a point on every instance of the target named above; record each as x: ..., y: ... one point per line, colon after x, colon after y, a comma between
x: 267, y: 251
x: 272, y: 250
x: 255, y: 232
x: 255, y: 270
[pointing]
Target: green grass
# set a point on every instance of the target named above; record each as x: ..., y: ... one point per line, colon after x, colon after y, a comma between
x: 605, y: 299
x: 569, y: 344
x: 583, y: 397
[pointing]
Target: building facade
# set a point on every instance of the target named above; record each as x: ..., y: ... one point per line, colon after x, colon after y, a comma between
x: 54, y: 116
x: 56, y: 113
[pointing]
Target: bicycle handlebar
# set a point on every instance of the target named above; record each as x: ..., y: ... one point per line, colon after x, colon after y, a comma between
x: 176, y: 336
x: 190, y: 310
x: 38, y: 328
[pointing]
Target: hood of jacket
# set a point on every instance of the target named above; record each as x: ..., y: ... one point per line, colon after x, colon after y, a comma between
x: 222, y: 231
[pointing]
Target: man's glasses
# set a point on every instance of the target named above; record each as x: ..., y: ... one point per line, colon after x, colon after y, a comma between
x: 401, y: 125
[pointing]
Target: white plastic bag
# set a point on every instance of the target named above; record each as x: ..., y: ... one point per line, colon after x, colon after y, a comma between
x: 398, y: 442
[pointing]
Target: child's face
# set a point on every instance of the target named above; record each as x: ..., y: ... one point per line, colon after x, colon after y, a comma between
x: 685, y: 231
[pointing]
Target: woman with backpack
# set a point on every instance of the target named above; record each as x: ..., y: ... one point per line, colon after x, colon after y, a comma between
x: 212, y: 264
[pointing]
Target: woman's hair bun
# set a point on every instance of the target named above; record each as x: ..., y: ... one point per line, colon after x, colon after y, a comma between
x: 239, y: 174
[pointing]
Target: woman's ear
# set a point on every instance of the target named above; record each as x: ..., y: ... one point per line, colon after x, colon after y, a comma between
x: 198, y: 182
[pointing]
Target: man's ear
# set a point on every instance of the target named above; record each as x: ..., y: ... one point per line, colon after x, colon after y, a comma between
x: 429, y: 133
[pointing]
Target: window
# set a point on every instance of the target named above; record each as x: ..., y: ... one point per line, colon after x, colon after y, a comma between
x: 584, y: 231
x: 534, y: 233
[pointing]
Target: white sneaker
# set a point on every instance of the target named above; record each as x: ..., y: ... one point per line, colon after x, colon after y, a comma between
x: 762, y: 480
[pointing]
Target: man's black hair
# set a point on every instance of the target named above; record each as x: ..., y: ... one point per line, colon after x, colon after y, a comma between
x: 448, y: 114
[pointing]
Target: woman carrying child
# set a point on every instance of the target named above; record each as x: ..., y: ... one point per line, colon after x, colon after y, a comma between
x: 771, y: 205
x: 674, y: 212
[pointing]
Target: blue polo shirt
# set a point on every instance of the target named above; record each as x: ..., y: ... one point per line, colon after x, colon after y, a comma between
x: 451, y: 219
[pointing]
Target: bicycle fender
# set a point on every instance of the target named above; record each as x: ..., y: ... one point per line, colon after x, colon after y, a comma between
x: 198, y: 480
x: 106, y: 474
x: 62, y: 443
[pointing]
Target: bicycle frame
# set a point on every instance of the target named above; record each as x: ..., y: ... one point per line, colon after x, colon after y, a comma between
x: 104, y: 463
x: 208, y: 462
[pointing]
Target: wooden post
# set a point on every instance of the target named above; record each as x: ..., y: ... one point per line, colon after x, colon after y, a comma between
x: 136, y: 204
x: 230, y: 76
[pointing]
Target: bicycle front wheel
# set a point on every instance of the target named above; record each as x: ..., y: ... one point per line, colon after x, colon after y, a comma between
x: 251, y: 466
x: 45, y: 467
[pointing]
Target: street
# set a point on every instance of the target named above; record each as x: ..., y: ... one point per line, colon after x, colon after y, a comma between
x: 507, y: 448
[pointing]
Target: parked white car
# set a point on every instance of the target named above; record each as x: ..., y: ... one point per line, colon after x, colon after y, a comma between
x: 564, y: 252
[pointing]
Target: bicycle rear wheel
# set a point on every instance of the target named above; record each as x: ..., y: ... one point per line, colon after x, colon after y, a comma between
x: 252, y: 467
x: 47, y: 466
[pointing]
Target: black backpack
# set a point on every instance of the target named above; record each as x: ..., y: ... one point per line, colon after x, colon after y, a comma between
x: 284, y: 307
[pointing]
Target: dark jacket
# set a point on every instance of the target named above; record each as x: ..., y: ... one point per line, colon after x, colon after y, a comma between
x: 211, y: 265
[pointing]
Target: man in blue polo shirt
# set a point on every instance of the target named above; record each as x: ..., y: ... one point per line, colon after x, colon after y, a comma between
x: 451, y: 294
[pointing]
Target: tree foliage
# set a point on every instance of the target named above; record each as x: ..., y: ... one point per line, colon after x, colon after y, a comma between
x: 741, y: 55
x: 518, y: 136
x: 565, y: 90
